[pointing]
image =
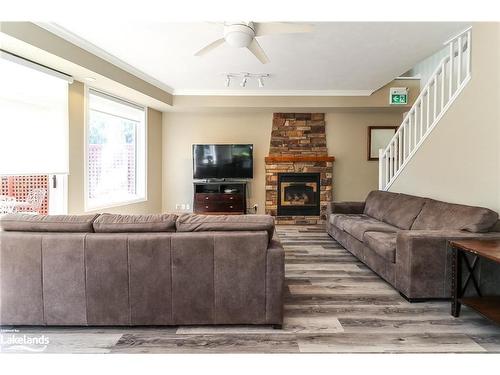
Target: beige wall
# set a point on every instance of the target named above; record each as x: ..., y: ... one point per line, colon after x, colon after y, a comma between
x: 181, y: 130
x: 354, y: 176
x: 76, y: 178
x: 460, y: 161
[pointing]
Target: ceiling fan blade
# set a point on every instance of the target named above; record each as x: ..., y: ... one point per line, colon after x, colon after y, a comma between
x: 257, y: 50
x: 210, y: 47
x: 267, y: 28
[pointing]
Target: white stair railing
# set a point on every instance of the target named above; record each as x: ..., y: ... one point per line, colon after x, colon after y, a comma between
x: 446, y: 83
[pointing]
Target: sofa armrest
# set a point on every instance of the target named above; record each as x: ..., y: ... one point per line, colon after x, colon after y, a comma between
x: 423, y: 262
x: 345, y: 208
x: 275, y: 282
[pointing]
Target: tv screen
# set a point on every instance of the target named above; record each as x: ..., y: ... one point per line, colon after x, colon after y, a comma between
x: 222, y: 161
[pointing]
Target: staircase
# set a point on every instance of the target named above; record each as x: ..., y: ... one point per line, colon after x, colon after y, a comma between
x: 444, y: 86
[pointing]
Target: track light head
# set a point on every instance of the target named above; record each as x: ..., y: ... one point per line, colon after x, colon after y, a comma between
x: 261, y: 82
x: 244, y: 82
x: 228, y: 81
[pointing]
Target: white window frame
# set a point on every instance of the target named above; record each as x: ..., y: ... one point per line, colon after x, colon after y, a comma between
x: 142, y: 155
x: 58, y: 196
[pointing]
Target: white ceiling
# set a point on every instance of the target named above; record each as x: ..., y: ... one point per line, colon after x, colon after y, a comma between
x: 336, y: 58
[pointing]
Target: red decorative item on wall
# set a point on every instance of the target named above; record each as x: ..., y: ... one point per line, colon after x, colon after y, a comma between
x: 19, y: 187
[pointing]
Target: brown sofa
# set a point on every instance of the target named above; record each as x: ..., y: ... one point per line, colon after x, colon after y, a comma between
x: 140, y: 270
x: 404, y: 238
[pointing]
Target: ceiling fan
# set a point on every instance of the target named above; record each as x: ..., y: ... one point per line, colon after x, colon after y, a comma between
x: 243, y: 34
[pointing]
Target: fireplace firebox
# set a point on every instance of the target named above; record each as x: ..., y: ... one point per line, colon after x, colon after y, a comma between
x: 298, y: 194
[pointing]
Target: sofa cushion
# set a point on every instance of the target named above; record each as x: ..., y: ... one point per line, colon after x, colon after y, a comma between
x: 47, y: 223
x: 346, y: 207
x: 357, y: 226
x: 382, y: 243
x: 442, y: 215
x: 114, y: 223
x: 403, y: 210
x: 209, y: 223
x: 339, y: 219
x: 377, y: 203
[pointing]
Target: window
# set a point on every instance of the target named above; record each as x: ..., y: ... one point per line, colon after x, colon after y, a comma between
x: 116, y: 151
x: 34, y: 157
x: 33, y: 118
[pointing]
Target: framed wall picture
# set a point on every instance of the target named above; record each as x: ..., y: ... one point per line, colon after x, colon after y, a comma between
x: 379, y: 137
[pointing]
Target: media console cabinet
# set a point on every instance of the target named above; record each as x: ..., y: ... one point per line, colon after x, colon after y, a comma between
x: 220, y: 197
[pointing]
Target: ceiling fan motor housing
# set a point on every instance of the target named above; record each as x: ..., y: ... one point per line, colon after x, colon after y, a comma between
x: 238, y: 35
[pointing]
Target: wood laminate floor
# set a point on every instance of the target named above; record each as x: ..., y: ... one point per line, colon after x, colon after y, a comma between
x: 334, y: 304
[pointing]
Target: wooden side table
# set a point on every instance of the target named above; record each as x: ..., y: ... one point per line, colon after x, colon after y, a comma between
x: 488, y: 306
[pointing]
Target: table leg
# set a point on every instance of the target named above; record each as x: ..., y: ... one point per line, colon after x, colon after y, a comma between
x: 471, y: 268
x: 456, y: 283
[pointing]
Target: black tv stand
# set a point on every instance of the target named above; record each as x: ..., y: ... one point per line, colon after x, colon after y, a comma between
x: 220, y: 197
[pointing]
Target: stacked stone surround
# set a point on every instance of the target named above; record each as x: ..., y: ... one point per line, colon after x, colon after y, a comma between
x: 298, y: 145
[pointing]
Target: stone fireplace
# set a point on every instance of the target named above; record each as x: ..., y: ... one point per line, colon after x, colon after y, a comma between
x: 298, y: 169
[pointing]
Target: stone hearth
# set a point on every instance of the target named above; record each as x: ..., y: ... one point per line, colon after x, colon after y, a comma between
x: 298, y: 145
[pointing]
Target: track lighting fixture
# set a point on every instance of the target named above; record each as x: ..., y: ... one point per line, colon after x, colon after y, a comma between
x: 245, y: 77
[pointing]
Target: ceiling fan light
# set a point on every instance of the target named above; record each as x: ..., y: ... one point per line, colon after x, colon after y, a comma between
x: 238, y: 39
x: 238, y: 35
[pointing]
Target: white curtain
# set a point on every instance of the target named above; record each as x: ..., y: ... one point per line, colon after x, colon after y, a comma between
x: 33, y: 121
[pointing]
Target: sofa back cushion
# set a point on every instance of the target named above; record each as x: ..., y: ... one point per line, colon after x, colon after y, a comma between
x: 377, y: 203
x: 441, y: 215
x: 210, y: 223
x: 403, y: 210
x: 114, y: 223
x: 47, y: 223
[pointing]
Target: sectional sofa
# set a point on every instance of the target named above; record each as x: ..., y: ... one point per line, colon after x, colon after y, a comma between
x: 403, y: 238
x: 140, y: 270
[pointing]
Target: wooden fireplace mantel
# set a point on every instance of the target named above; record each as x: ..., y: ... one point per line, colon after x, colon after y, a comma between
x: 297, y: 158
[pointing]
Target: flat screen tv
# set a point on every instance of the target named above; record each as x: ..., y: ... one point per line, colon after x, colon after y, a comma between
x: 222, y: 161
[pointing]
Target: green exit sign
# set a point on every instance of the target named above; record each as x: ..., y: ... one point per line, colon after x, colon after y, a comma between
x: 398, y: 95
